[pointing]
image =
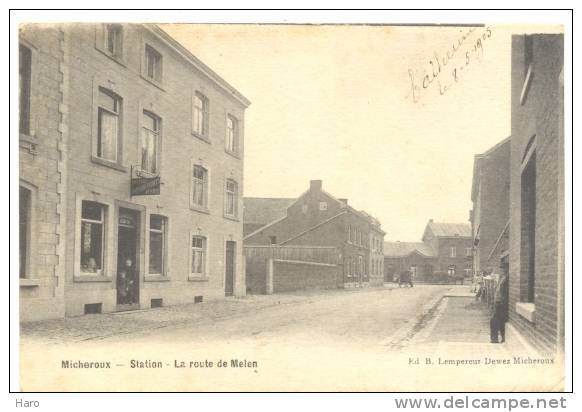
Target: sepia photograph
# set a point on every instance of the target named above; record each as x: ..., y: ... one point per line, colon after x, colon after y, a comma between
x: 291, y: 207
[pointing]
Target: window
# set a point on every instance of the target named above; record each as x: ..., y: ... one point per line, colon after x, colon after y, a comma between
x: 453, y: 252
x: 24, y: 218
x: 92, y: 237
x: 200, y: 187
x: 231, y: 134
x: 349, y: 230
x: 468, y: 252
x: 322, y: 205
x: 150, y: 141
x: 108, y: 125
x: 153, y: 64
x: 528, y: 233
x: 273, y: 240
x: 157, y: 245
x: 198, y: 256
x: 528, y: 53
x: 24, y: 83
x: 200, y: 115
x: 114, y: 40
x: 231, y: 204
x: 452, y: 270
x: 348, y: 267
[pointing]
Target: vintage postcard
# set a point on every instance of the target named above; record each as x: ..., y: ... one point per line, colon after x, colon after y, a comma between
x: 291, y: 207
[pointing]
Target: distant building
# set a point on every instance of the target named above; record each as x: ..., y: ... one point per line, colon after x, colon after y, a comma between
x: 445, y: 250
x: 131, y: 150
x: 536, y: 229
x: 417, y: 257
x: 317, y: 218
x: 260, y: 211
x: 490, y: 213
x: 452, y: 243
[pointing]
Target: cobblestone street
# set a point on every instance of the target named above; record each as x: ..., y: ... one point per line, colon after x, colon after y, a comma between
x: 341, y: 307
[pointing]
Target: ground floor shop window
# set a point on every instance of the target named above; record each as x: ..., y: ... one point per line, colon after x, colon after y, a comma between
x: 198, y: 256
x: 157, y: 245
x: 92, y: 237
x: 347, y: 267
x: 360, y: 265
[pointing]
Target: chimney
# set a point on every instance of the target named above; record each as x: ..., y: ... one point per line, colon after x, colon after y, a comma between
x: 430, y: 220
x: 344, y: 201
x: 315, y: 185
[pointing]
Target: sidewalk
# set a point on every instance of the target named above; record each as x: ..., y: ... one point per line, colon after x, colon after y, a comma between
x: 460, y: 326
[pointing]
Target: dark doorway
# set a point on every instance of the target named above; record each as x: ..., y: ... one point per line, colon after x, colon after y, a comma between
x: 230, y: 266
x: 127, y: 260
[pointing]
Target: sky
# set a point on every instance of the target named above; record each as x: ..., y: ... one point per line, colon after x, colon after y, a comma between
x: 389, y: 117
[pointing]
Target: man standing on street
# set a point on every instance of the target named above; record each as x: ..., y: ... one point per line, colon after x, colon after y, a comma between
x: 500, y: 310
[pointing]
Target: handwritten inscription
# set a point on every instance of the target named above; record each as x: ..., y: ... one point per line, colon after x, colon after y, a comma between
x: 445, y: 69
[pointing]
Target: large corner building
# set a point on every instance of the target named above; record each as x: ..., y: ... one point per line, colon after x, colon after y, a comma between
x: 131, y: 172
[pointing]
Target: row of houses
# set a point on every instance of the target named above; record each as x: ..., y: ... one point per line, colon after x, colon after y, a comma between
x: 318, y: 219
x: 131, y: 172
x: 518, y: 195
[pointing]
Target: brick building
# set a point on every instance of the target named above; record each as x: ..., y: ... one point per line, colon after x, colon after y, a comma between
x: 150, y: 145
x: 317, y: 218
x: 490, y: 212
x: 536, y: 230
x: 452, y: 243
x: 417, y: 257
x: 445, y: 251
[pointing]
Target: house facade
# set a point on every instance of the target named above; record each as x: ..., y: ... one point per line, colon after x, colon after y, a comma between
x: 445, y: 251
x: 536, y: 230
x: 452, y: 243
x: 417, y: 257
x: 152, y: 148
x: 490, y: 212
x: 317, y: 218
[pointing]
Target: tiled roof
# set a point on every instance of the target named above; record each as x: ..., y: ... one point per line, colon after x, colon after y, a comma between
x: 450, y: 229
x: 264, y: 210
x: 399, y: 249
